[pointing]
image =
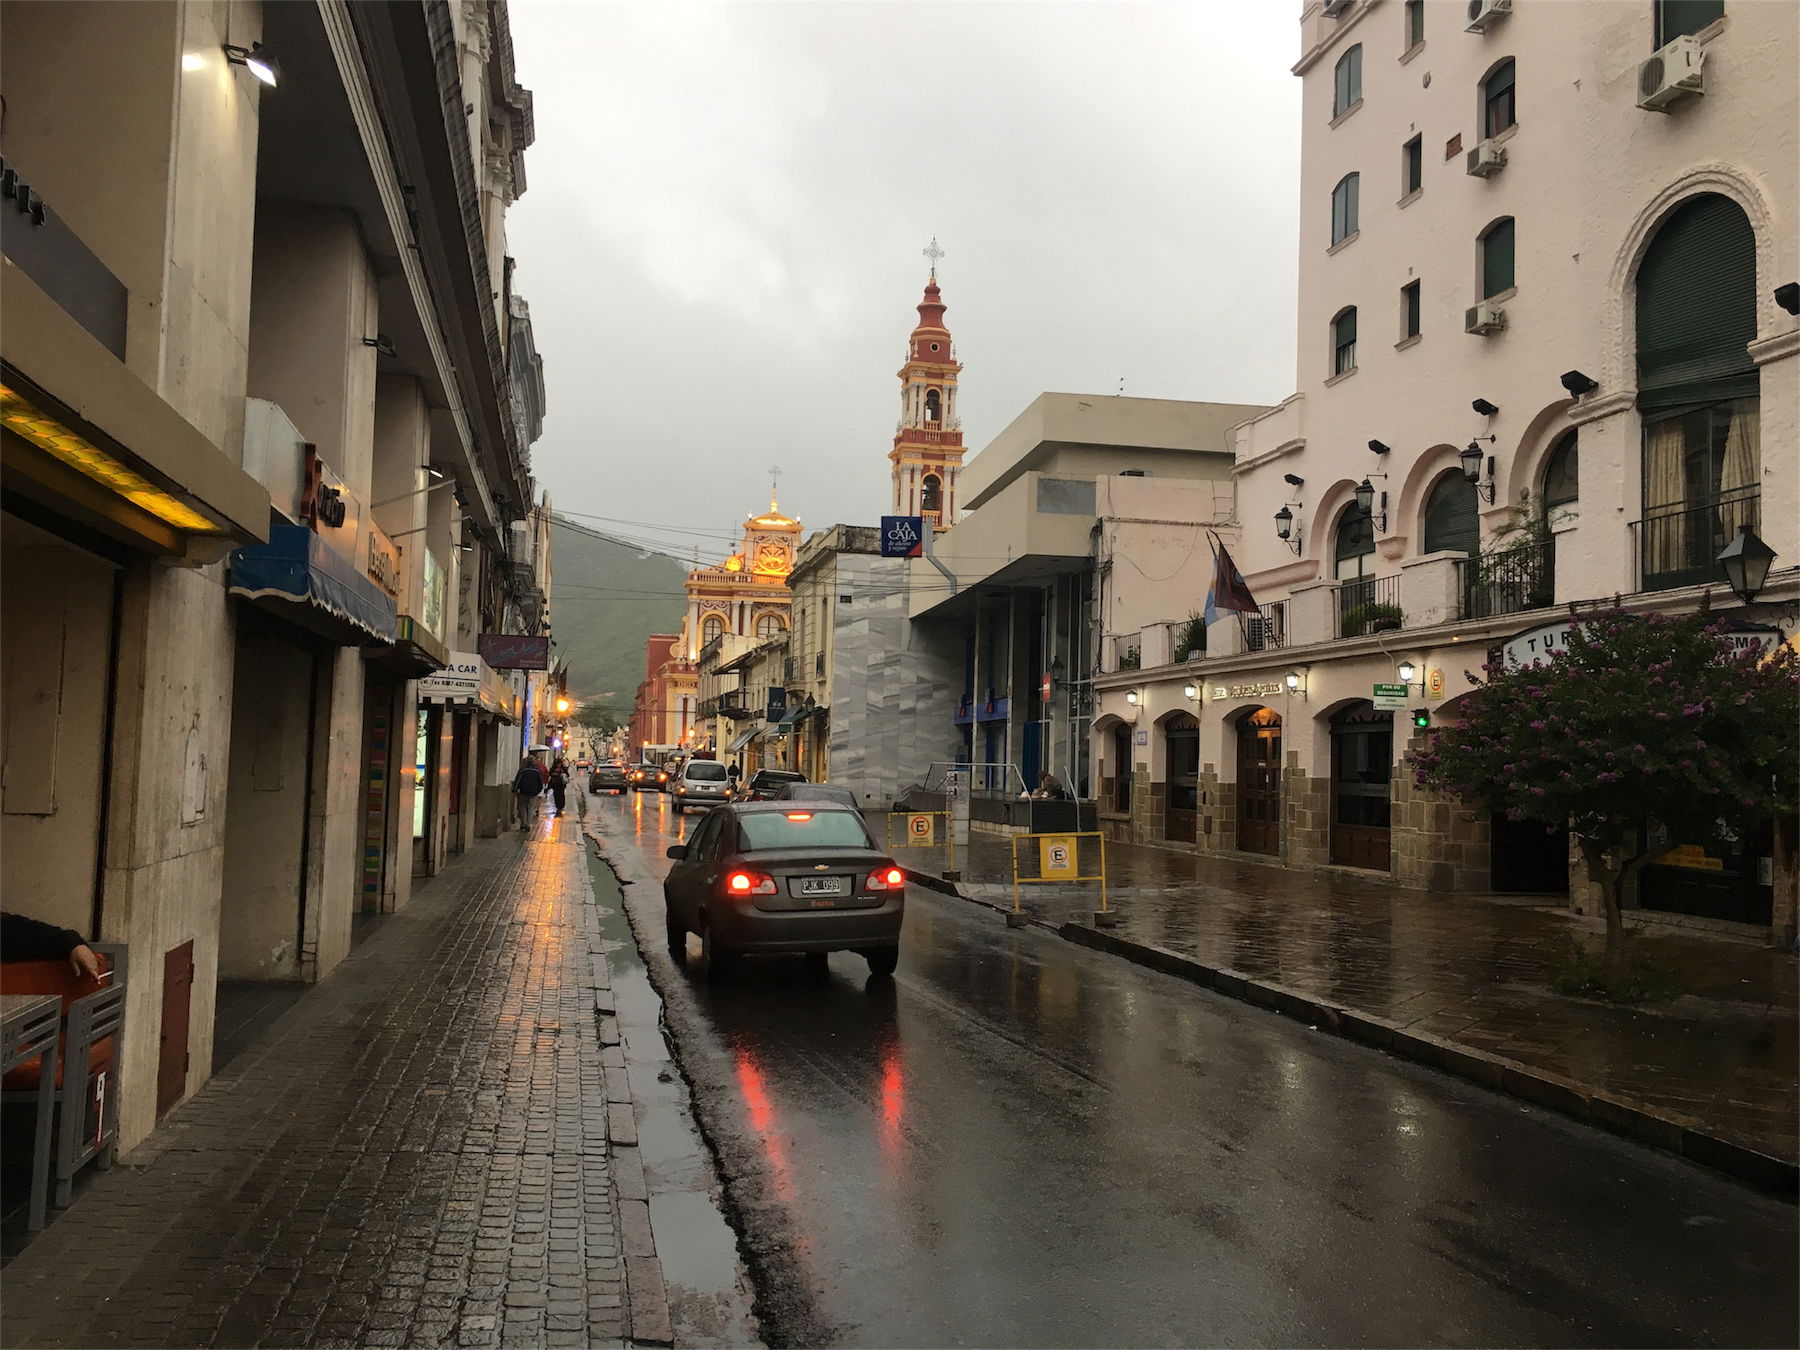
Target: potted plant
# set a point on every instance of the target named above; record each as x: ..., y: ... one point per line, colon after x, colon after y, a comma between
x: 1130, y: 659
x: 1373, y: 617
x: 1191, y: 640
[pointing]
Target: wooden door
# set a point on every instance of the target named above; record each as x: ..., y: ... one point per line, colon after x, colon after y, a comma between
x: 1181, y: 812
x: 1362, y: 753
x: 1259, y: 782
x: 177, y: 1012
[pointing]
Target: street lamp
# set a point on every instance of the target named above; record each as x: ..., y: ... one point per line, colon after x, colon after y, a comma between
x: 562, y: 705
x: 1191, y: 690
x: 1746, y: 562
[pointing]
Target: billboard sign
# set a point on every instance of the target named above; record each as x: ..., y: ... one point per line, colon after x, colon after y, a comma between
x: 902, y: 536
x: 515, y: 651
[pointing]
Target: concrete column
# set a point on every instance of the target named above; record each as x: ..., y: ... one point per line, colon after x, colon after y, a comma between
x: 1309, y: 615
x: 1429, y: 589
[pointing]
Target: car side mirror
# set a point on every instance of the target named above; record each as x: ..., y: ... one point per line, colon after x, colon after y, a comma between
x: 677, y: 851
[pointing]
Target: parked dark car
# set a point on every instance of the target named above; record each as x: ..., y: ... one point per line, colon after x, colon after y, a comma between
x: 648, y: 778
x: 759, y: 878
x: 765, y: 783
x: 607, y: 778
x: 817, y: 792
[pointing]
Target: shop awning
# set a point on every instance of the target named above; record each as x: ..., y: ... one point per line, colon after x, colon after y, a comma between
x: 468, y: 681
x: 742, y: 739
x: 415, y: 651
x: 297, y: 571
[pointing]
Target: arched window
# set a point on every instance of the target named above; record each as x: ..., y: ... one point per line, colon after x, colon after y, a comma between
x: 931, y: 405
x: 1698, y: 389
x: 1348, y: 82
x: 1353, y: 546
x: 1343, y: 208
x: 712, y: 628
x: 768, y: 626
x: 1453, y: 516
x: 931, y: 495
x: 1343, y: 341
x: 1495, y: 248
x: 1562, y: 471
x: 1498, y: 108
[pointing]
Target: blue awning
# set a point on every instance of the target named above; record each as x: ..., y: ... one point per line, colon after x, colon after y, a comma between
x: 297, y: 567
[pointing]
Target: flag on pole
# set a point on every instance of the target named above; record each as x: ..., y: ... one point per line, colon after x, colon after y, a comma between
x: 1229, y: 590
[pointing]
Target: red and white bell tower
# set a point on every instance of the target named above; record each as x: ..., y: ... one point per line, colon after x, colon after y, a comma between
x: 928, y: 444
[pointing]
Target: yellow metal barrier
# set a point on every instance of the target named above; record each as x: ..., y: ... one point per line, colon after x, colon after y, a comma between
x: 1059, y: 859
x: 923, y: 829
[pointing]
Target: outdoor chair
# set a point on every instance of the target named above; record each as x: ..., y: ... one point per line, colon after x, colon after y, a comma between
x: 87, y: 1074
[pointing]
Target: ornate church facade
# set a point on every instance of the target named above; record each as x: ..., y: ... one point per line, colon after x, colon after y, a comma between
x: 747, y: 594
x: 928, y: 442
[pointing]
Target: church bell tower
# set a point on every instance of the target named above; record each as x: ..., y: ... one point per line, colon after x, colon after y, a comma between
x: 928, y: 445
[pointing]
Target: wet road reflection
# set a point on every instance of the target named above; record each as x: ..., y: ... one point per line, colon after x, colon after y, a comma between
x: 1020, y: 1142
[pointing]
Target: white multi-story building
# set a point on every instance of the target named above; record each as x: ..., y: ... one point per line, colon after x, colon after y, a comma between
x: 1547, y: 325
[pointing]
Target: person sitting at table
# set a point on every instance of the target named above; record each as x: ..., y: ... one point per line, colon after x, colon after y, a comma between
x: 26, y: 939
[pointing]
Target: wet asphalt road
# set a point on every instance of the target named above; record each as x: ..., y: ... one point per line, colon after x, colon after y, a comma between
x: 1020, y: 1142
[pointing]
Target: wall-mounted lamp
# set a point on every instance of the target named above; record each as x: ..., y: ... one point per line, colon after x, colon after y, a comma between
x: 1365, y: 502
x: 1378, y: 448
x: 437, y: 474
x: 1285, y: 530
x: 1746, y: 562
x: 258, y: 60
x: 1578, y: 384
x: 1409, y: 676
x: 381, y: 342
x: 1132, y: 697
x: 1788, y: 297
x: 1191, y: 690
x: 1295, y: 685
x: 1472, y: 464
x: 1482, y: 406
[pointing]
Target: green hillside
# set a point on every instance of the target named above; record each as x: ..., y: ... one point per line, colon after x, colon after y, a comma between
x: 605, y: 599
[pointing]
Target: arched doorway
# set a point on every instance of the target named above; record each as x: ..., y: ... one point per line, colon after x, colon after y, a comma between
x: 1121, y: 767
x: 1362, y: 767
x: 1181, y: 812
x: 1259, y: 782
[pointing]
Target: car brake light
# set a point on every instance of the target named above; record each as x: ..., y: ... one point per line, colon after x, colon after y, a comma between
x: 887, y: 879
x: 750, y: 883
x: 799, y: 815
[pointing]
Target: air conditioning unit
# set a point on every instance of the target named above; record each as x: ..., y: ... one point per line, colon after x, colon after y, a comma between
x: 1484, y: 318
x: 1487, y: 159
x: 1336, y: 7
x: 1484, y: 14
x: 1676, y: 71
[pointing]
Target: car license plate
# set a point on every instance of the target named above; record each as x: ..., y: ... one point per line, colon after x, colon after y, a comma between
x: 821, y: 885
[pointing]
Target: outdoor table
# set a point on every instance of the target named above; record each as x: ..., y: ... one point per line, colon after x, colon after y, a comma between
x: 30, y: 1024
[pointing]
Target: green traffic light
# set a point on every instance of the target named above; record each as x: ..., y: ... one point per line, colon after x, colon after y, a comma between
x: 1421, y: 718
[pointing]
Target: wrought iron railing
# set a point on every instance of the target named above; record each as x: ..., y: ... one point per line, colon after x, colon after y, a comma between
x: 1266, y: 632
x: 1680, y: 545
x: 1367, y: 605
x: 1508, y: 582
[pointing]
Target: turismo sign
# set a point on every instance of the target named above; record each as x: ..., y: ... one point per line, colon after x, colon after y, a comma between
x: 902, y: 536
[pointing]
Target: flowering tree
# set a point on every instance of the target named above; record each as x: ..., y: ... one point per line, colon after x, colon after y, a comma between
x: 1641, y: 716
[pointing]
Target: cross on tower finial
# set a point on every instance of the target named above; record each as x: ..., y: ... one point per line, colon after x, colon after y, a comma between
x: 774, y: 483
x: 933, y: 252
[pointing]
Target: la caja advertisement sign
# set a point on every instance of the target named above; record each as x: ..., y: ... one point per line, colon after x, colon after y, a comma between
x: 515, y: 651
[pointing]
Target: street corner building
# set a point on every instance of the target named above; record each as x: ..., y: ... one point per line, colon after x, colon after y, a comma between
x: 274, y: 566
x: 1548, y: 356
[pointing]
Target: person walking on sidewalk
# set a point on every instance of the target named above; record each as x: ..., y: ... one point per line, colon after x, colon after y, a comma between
x: 528, y: 788
x: 559, y: 783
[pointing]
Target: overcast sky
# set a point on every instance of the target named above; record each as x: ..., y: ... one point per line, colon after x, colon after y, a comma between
x: 721, y: 239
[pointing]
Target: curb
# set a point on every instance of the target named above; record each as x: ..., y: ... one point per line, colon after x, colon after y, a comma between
x: 1617, y: 1115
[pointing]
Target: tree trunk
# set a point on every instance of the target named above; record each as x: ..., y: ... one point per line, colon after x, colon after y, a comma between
x: 1611, y: 881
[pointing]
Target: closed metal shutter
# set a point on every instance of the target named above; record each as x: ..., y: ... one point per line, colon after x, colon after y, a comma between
x: 1696, y: 307
x: 1452, y: 517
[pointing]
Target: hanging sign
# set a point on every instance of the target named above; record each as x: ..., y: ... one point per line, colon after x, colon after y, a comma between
x: 776, y: 707
x: 1047, y: 687
x: 1434, y: 683
x: 1390, y: 697
x: 1056, y: 856
x: 902, y: 536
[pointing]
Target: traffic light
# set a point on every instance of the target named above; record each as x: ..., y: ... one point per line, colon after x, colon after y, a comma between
x: 1421, y: 718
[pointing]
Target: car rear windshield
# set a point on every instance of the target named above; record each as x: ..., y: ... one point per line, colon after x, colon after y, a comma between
x: 706, y: 773
x: 802, y: 829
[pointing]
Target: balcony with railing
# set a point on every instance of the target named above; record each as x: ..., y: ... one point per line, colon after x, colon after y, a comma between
x: 1366, y: 605
x: 1680, y: 545
x: 1508, y: 582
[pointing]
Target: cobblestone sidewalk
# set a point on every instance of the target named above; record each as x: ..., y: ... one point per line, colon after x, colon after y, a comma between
x: 415, y: 1154
x: 1471, y: 971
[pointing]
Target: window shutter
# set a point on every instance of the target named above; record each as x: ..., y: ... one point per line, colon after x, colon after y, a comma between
x: 1696, y: 307
x: 1677, y: 17
x: 1497, y: 259
x: 1452, y: 517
